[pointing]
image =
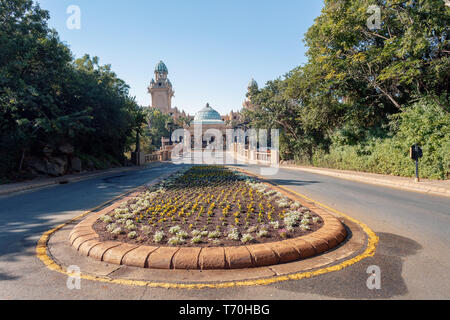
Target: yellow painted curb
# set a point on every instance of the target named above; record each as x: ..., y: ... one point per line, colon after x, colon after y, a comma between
x: 42, y: 254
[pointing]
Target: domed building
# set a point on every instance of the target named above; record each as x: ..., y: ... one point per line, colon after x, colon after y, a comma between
x: 207, y: 116
x: 206, y: 119
x: 161, y: 91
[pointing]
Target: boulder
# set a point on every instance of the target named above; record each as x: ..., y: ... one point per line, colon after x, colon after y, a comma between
x: 37, y: 165
x: 90, y: 165
x: 57, y: 167
x: 47, y: 151
x: 66, y: 149
x: 75, y: 164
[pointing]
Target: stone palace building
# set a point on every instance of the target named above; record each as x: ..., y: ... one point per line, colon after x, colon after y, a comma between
x: 207, y: 123
x: 161, y: 91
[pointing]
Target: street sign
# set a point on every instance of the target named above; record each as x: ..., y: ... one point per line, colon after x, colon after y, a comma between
x: 416, y: 152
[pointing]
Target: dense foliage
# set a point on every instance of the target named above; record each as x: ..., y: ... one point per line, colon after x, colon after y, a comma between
x: 365, y: 96
x: 47, y: 98
x: 159, y: 125
x: 156, y: 128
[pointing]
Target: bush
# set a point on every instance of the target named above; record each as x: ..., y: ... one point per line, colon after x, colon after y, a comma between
x: 425, y: 123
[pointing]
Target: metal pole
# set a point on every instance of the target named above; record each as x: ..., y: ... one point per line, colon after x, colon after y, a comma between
x: 138, y: 142
x: 417, y: 170
x: 138, y: 149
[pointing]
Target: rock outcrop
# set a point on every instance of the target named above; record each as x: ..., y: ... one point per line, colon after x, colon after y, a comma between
x: 55, y: 162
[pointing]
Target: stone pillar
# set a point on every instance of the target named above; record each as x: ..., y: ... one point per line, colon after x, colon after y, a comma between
x: 274, y: 157
x: 138, y: 158
x: 186, y: 140
x: 252, y: 154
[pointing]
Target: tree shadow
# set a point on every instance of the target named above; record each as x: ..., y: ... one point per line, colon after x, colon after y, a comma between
x: 6, y: 277
x: 279, y: 181
x: 289, y: 182
x: 351, y: 282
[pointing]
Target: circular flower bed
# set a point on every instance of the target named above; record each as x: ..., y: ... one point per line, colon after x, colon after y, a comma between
x: 207, y: 206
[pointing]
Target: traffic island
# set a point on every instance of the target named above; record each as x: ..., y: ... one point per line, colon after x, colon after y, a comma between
x: 208, y: 218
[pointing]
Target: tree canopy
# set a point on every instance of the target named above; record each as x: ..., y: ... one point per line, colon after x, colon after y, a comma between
x: 356, y: 79
x: 48, y: 98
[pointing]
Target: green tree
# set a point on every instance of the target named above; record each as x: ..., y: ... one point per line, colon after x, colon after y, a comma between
x: 47, y: 98
x: 356, y: 80
x: 408, y: 55
x: 156, y: 128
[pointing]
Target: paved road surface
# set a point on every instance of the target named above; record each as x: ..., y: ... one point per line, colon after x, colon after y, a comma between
x: 413, y: 253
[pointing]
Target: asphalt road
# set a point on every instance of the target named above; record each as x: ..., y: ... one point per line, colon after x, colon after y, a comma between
x: 413, y: 254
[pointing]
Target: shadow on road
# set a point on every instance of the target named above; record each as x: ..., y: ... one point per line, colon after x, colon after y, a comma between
x: 24, y: 217
x: 289, y: 182
x: 350, y: 283
x: 6, y: 277
x: 285, y: 182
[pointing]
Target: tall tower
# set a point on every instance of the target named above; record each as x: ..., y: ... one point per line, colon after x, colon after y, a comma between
x: 251, y: 89
x: 161, y: 89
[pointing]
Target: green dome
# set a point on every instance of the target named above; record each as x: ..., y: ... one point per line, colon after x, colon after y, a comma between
x: 161, y: 68
x: 207, y: 116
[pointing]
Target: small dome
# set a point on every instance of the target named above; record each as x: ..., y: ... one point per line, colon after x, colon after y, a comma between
x: 161, y: 68
x: 252, y: 84
x: 207, y: 116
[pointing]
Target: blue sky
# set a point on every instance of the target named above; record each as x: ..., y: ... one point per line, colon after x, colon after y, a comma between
x: 212, y: 48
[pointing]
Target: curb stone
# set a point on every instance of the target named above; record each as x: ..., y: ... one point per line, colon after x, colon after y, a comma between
x: 138, y: 257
